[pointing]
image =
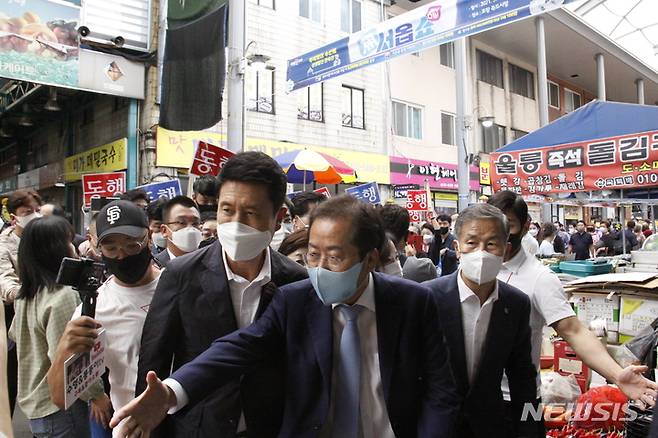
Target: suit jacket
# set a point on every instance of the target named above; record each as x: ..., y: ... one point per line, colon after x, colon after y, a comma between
x: 418, y: 386
x: 507, y: 348
x: 162, y: 258
x: 190, y: 309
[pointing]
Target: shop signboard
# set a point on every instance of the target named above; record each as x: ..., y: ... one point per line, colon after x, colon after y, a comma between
x: 164, y: 189
x: 366, y: 192
x: 440, y: 176
x: 485, y: 174
x: 110, y: 157
x: 209, y: 159
x: 29, y: 179
x: 608, y: 163
x: 102, y: 185
x: 423, y: 27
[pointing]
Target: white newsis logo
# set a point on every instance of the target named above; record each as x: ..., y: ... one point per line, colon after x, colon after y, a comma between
x: 113, y: 214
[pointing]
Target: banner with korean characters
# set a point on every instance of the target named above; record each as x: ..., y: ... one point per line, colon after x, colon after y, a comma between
x: 366, y: 192
x: 107, y: 158
x: 102, y: 185
x: 423, y: 27
x: 83, y: 370
x: 164, y: 189
x: 209, y: 159
x: 608, y: 163
x: 418, y: 205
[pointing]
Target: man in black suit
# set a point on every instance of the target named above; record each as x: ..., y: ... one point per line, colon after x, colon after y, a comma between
x: 486, y: 327
x: 181, y: 228
x: 216, y: 290
x: 364, y: 353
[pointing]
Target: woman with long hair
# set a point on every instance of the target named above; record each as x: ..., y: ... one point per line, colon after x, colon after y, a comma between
x: 42, y: 310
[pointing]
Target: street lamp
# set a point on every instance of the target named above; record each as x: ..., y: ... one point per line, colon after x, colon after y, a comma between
x: 258, y: 62
x: 487, y: 121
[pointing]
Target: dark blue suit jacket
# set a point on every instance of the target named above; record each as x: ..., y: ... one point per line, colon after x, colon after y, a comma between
x: 418, y: 385
x: 507, y: 348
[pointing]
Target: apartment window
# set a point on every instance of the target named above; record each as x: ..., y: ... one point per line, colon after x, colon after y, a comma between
x: 353, y: 107
x: 267, y: 3
x: 311, y: 9
x: 572, y: 100
x: 448, y: 129
x: 522, y: 81
x: 260, y: 91
x: 407, y: 120
x: 350, y: 15
x: 553, y: 95
x: 493, y: 138
x: 490, y: 69
x: 517, y: 133
x: 447, y: 54
x: 310, y: 103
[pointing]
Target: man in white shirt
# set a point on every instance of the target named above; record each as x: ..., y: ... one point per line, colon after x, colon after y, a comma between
x: 363, y: 352
x: 550, y: 308
x: 121, y: 307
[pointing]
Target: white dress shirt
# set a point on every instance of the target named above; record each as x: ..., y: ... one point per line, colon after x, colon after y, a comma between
x: 171, y: 254
x: 245, y: 296
x: 374, y: 421
x: 475, y: 320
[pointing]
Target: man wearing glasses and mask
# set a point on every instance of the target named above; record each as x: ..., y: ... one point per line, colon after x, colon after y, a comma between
x: 122, y: 304
x: 181, y: 227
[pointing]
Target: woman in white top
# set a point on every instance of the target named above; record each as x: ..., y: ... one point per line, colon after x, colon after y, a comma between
x: 546, y: 248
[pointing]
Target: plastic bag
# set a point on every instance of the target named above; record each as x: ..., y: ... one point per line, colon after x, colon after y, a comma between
x: 644, y: 344
x: 600, y: 408
x: 559, y: 389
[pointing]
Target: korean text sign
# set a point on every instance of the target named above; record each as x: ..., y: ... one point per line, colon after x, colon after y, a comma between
x: 209, y: 159
x: 106, y: 158
x: 366, y: 192
x: 99, y: 185
x: 608, y: 163
x: 166, y: 189
x: 418, y: 205
x: 83, y: 369
x: 426, y: 26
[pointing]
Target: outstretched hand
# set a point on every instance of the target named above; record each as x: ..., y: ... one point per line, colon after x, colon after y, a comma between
x: 637, y: 387
x: 144, y: 413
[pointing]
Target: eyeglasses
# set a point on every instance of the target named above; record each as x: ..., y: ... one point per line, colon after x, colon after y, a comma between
x: 313, y: 259
x: 183, y: 224
x: 131, y: 248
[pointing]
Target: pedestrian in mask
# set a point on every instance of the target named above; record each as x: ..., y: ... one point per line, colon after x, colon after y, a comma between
x: 205, y: 193
x: 154, y: 213
x: 389, y: 263
x: 181, y: 227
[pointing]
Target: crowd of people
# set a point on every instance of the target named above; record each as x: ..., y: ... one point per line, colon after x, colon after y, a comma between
x: 238, y: 312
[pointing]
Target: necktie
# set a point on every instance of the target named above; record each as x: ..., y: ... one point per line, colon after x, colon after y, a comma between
x: 348, y: 384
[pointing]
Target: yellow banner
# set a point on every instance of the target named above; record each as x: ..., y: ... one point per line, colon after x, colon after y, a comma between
x: 176, y: 148
x: 485, y: 174
x: 107, y: 158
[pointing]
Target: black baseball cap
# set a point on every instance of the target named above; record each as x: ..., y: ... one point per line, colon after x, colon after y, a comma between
x: 121, y: 217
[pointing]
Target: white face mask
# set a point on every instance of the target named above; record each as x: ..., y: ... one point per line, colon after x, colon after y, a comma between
x: 533, y: 232
x: 278, y: 237
x: 22, y: 221
x: 393, y: 268
x: 159, y: 240
x: 187, y: 239
x: 480, y: 266
x: 242, y: 242
x: 427, y: 239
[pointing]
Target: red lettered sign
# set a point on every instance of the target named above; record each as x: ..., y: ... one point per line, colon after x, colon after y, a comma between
x: 417, y: 205
x: 323, y: 191
x: 608, y: 163
x: 209, y: 159
x: 99, y: 185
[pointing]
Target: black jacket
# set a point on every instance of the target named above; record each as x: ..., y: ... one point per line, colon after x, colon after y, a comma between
x: 190, y: 309
x: 162, y: 258
x: 449, y: 260
x: 507, y: 348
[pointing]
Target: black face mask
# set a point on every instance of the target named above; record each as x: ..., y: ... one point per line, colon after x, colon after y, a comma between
x: 210, y: 207
x: 129, y: 269
x: 515, y: 240
x: 444, y: 230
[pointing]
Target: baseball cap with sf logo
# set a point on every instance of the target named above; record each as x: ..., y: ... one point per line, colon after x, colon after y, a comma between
x: 121, y: 217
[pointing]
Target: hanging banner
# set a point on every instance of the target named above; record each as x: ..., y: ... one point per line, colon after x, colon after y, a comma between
x: 426, y: 26
x: 209, y: 159
x: 39, y: 41
x: 106, y: 158
x: 608, y: 163
x: 442, y: 176
x: 366, y: 192
x: 485, y: 174
x: 100, y: 185
x: 165, y: 189
x: 176, y: 148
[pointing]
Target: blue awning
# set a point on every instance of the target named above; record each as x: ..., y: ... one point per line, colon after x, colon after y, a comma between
x: 589, y: 122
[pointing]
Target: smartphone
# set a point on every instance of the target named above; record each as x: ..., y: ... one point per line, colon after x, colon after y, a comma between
x: 416, y: 241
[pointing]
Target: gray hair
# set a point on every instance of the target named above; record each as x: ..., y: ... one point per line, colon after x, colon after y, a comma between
x: 480, y: 212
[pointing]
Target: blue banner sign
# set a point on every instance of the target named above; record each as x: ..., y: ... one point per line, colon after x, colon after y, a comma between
x: 166, y: 189
x: 426, y: 26
x: 366, y: 192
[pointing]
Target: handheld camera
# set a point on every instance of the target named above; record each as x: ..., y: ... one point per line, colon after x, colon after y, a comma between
x: 84, y: 275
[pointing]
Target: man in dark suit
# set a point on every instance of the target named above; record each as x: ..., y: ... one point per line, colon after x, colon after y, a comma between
x: 181, y: 228
x: 486, y: 327
x: 363, y: 352
x: 214, y: 291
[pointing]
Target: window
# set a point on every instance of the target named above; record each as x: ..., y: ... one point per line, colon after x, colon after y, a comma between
x: 310, y: 103
x: 407, y: 120
x: 353, y: 108
x: 490, y: 69
x: 260, y: 91
x: 350, y: 15
x: 267, y: 3
x: 447, y: 54
x: 311, y: 9
x: 517, y: 133
x: 522, y: 81
x: 553, y: 94
x: 448, y: 129
x: 493, y: 138
x: 571, y: 100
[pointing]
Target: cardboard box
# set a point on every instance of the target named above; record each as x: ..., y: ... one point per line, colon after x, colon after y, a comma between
x: 636, y: 314
x: 593, y: 306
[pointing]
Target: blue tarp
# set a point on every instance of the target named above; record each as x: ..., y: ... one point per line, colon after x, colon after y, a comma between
x: 590, y: 122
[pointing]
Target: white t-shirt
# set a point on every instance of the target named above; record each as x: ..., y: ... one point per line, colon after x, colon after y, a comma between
x: 122, y: 311
x: 546, y: 248
x: 548, y: 301
x: 530, y: 244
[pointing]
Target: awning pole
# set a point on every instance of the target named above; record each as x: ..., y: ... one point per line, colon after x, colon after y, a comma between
x: 462, y: 151
x: 623, y: 222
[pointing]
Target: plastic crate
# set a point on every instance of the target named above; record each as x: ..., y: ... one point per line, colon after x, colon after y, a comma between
x: 585, y: 268
x: 555, y: 268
